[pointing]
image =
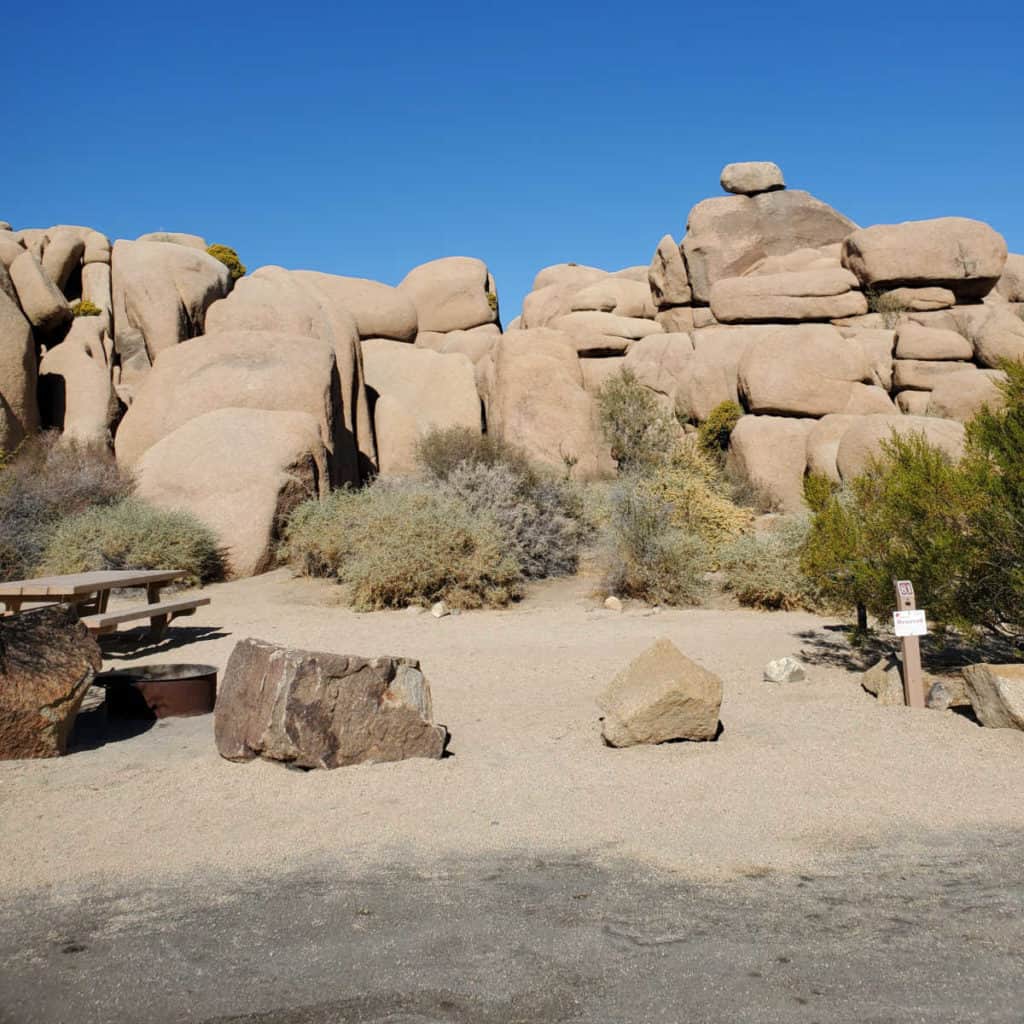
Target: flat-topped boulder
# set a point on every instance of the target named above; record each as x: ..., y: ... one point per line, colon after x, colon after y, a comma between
x: 965, y: 256
x: 315, y: 709
x: 826, y: 294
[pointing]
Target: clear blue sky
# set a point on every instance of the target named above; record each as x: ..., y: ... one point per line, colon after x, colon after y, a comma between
x: 366, y: 138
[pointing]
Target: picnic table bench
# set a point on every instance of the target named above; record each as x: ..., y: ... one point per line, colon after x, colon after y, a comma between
x: 90, y: 593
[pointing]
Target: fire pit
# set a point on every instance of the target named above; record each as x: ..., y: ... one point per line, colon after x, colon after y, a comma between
x: 160, y: 691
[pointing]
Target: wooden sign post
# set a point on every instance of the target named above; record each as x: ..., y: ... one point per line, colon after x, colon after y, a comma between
x: 908, y: 628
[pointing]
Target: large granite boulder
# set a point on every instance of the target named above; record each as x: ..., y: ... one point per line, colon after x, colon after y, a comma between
x: 960, y: 395
x: 47, y: 662
x: 866, y: 435
x: 240, y: 471
x: 1011, y: 283
x: 416, y: 390
x: 19, y: 411
x: 728, y: 235
x: 306, y: 303
x: 240, y: 369
x: 770, y: 453
x: 536, y: 398
x: 808, y: 370
x: 161, y: 291
x: 965, y: 256
x: 996, y: 693
x: 823, y: 444
x: 712, y: 376
x: 380, y: 311
x: 666, y: 276
x: 915, y: 341
x: 41, y: 300
x: 617, y: 295
x: 797, y: 295
x: 75, y: 391
x: 661, y: 695
x: 313, y: 709
x: 452, y: 294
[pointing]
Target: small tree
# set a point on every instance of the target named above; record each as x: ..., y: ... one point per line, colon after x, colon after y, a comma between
x: 714, y: 433
x: 639, y: 432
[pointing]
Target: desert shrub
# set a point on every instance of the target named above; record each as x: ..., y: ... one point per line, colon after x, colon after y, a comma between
x: 914, y: 514
x: 492, y: 301
x: 635, y: 426
x: 644, y: 555
x: 133, y: 535
x: 87, y: 308
x: 48, y: 479
x: 441, y: 450
x: 888, y: 305
x: 690, y: 484
x: 540, y: 517
x: 714, y: 433
x: 763, y: 569
x: 394, y: 545
x: 229, y: 258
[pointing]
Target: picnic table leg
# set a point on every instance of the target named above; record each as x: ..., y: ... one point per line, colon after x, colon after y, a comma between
x: 153, y: 593
x: 158, y: 626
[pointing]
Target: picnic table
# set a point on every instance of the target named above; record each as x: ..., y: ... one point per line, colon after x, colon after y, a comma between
x: 90, y: 593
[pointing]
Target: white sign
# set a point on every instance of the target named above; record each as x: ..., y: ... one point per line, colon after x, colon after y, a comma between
x: 905, y: 588
x: 910, y: 623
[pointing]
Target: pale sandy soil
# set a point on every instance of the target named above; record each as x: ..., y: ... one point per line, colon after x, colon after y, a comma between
x: 803, y: 773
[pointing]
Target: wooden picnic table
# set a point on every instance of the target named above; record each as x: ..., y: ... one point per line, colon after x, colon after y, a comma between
x: 88, y: 590
x: 90, y: 593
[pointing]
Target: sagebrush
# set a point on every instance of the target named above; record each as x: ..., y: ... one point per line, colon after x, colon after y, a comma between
x: 394, y: 545
x: 47, y: 480
x: 763, y: 569
x: 644, y: 556
x: 133, y: 535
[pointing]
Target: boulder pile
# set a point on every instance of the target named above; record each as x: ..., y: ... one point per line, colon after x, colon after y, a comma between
x: 830, y: 336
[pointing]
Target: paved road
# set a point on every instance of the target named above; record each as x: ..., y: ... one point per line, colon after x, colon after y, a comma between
x: 937, y: 935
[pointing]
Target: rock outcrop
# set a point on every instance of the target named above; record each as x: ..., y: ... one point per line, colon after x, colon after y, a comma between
x: 313, y: 709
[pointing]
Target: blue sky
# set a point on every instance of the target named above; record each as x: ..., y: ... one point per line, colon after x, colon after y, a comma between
x: 364, y: 139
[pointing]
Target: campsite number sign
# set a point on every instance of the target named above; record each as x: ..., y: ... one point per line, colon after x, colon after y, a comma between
x: 909, y: 623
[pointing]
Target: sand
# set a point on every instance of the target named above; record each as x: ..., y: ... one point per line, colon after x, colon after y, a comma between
x: 803, y: 772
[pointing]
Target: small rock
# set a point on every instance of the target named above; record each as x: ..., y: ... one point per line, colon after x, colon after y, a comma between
x: 948, y: 693
x: 784, y: 670
x: 415, y: 609
x: 439, y: 610
x: 613, y: 604
x: 660, y: 696
x: 884, y: 680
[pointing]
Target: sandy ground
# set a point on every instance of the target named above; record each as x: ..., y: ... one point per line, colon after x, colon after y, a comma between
x: 803, y: 773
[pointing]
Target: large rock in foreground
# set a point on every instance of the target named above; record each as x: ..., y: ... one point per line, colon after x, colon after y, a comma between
x: 47, y: 662
x: 965, y: 256
x: 997, y: 694
x: 318, y: 710
x: 661, y: 696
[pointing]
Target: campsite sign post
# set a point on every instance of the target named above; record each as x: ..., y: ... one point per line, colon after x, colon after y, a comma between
x: 909, y: 623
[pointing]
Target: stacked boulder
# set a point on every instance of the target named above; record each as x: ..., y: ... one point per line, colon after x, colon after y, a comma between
x: 56, y: 365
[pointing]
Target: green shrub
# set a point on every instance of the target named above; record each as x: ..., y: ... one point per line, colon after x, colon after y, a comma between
x: 46, y: 480
x: 229, y: 258
x: 690, y: 485
x: 133, y: 535
x: 440, y: 451
x: 87, y: 308
x: 540, y: 518
x: 638, y: 430
x: 818, y: 491
x: 394, y: 545
x: 913, y: 514
x: 492, y: 301
x: 763, y: 569
x: 714, y: 433
x: 645, y: 556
